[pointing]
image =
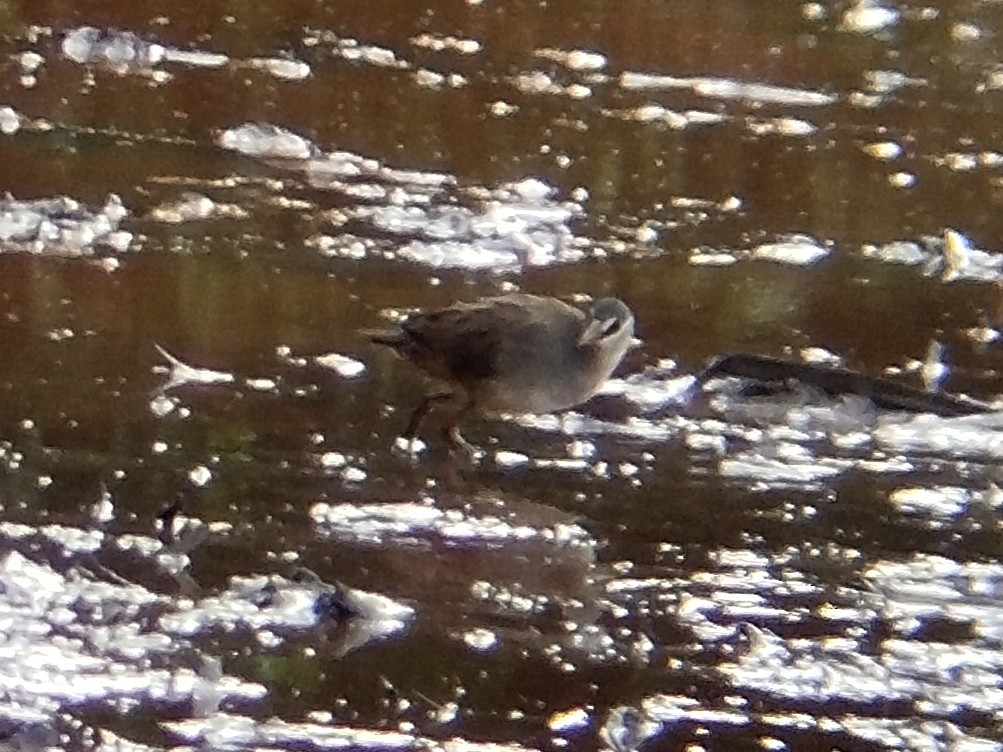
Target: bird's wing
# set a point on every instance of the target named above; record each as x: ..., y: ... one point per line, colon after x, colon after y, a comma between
x: 469, y: 340
x: 461, y: 342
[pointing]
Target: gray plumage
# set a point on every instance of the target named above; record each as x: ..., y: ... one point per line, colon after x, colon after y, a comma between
x: 515, y: 353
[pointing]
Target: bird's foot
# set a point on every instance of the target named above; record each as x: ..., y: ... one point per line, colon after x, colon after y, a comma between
x: 458, y: 443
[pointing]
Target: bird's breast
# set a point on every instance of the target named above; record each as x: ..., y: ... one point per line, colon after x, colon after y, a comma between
x: 541, y: 385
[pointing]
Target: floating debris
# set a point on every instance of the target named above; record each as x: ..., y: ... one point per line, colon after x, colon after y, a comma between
x: 431, y: 79
x: 180, y: 373
x: 726, y: 88
x: 267, y: 141
x: 966, y: 32
x: 345, y: 366
x: 869, y: 16
x: 963, y: 261
x: 354, y: 50
x: 196, y: 58
x: 410, y: 522
x: 61, y: 226
x: 332, y: 460
x: 786, y: 126
x: 200, y: 476
x: 286, y: 70
x: 574, y: 720
x: 983, y: 335
x: 516, y: 224
x: 190, y: 206
x: 820, y: 356
x: 502, y: 109
x: 480, y: 640
x: 576, y: 60
x: 30, y: 61
x: 10, y: 121
x: 887, y: 81
x: 536, y: 82
x: 441, y: 43
x: 272, y: 605
x: 674, y: 119
x: 122, y: 51
x: 797, y: 250
x: 905, y: 252
x: 902, y: 180
x: 509, y: 459
x: 884, y: 150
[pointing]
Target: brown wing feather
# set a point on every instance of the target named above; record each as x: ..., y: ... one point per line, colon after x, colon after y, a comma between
x: 471, y: 342
x: 460, y: 343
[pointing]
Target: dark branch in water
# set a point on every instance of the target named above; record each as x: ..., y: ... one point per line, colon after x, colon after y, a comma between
x: 884, y: 393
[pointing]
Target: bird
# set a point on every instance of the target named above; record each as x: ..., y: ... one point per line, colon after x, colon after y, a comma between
x: 516, y: 353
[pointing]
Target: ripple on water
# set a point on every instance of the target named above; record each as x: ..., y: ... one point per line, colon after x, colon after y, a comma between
x: 776, y: 633
x: 78, y: 633
x: 941, y: 619
x: 414, y: 521
x: 125, y: 53
x: 73, y: 639
x: 728, y: 89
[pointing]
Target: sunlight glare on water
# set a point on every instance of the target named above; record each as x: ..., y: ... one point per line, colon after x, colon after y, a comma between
x: 215, y: 533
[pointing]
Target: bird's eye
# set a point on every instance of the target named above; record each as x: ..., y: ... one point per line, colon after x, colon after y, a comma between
x: 610, y: 326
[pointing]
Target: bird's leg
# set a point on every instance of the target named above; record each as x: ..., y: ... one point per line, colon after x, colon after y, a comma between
x: 456, y: 440
x: 423, y: 409
x: 453, y: 435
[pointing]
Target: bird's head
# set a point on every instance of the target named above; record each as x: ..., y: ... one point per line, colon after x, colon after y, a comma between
x: 608, y: 323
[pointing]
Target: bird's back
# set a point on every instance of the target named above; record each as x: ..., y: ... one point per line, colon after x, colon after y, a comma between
x: 487, y: 339
x: 495, y: 339
x: 515, y: 353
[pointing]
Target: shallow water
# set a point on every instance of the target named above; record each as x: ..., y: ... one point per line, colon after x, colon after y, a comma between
x: 207, y: 203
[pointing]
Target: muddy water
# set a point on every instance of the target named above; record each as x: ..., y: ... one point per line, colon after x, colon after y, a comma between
x: 210, y: 534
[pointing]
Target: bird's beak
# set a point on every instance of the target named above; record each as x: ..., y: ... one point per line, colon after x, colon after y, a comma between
x: 591, y: 334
